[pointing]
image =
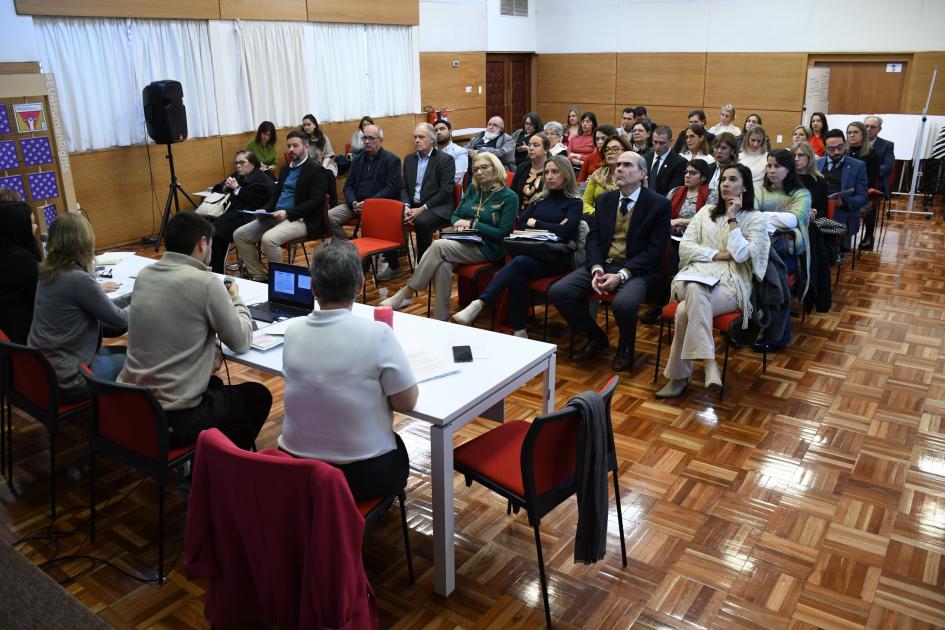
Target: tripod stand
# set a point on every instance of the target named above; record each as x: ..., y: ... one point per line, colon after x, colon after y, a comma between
x: 173, y: 187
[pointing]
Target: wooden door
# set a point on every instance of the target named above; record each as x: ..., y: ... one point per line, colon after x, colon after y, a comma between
x: 508, y: 88
x: 862, y: 87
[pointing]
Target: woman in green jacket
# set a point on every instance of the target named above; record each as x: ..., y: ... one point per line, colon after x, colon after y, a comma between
x: 264, y: 145
x: 487, y: 210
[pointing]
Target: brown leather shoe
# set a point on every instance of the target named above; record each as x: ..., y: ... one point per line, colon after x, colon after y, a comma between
x: 623, y: 361
x: 593, y: 347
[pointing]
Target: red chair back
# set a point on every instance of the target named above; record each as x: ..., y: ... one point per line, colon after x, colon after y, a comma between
x: 383, y: 219
x: 831, y: 208
x: 128, y: 418
x: 549, y: 453
x: 33, y: 385
x: 509, y: 176
x: 457, y: 195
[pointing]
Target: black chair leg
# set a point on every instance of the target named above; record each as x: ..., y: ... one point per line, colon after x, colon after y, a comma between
x: 161, y: 577
x: 659, y: 351
x: 541, y: 574
x: 92, y: 496
x: 402, y: 497
x: 52, y: 474
x: 305, y: 251
x: 724, y: 372
x: 623, y: 543
x: 545, y: 336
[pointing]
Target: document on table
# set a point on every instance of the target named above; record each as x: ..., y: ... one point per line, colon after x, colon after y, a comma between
x: 256, y: 213
x: 534, y: 235
x: 112, y: 258
x: 427, y: 367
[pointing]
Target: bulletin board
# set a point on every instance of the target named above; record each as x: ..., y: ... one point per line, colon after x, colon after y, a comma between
x: 33, y: 156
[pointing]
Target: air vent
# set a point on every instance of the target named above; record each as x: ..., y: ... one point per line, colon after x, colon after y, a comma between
x: 516, y: 8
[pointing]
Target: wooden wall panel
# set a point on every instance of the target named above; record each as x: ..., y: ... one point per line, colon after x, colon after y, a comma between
x: 229, y: 145
x: 19, y: 67
x: 114, y: 189
x: 917, y: 86
x: 296, y: 10
x: 442, y: 85
x: 170, y: 9
x: 467, y: 118
x: 577, y: 78
x: 677, y: 117
x: 660, y: 78
x: 198, y: 163
x: 769, y: 80
x: 365, y: 11
x: 775, y: 122
x: 558, y: 111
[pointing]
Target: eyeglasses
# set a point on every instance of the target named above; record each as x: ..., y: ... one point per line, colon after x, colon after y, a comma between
x: 612, y: 150
x: 835, y: 149
x: 369, y: 138
x: 693, y: 173
x: 241, y: 162
x: 481, y: 168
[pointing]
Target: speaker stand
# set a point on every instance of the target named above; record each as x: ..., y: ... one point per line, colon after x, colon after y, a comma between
x: 172, y: 189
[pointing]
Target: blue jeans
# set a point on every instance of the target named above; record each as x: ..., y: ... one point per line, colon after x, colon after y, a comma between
x: 108, y: 365
x: 514, y: 276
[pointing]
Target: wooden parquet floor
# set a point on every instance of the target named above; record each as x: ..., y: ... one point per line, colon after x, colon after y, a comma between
x: 813, y: 497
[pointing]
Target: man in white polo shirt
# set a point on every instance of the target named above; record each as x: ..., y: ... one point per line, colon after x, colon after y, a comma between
x: 344, y: 378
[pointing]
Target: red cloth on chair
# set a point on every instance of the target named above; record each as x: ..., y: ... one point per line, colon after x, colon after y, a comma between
x: 277, y: 538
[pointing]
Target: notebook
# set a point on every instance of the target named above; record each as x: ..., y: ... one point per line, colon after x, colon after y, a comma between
x: 290, y: 294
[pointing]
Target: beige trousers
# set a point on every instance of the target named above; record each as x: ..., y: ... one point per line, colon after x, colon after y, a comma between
x: 337, y: 217
x: 693, y: 339
x: 437, y: 264
x: 270, y: 234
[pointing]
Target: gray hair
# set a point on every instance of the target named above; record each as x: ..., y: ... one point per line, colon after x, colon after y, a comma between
x: 878, y: 119
x: 380, y: 132
x: 429, y: 129
x: 555, y: 127
x: 639, y: 160
x: 728, y: 108
x: 336, y: 272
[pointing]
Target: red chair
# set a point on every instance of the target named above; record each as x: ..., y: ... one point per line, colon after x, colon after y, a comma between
x: 727, y: 323
x: 291, y: 246
x: 472, y: 279
x: 382, y: 230
x: 509, y: 176
x: 541, y: 286
x: 34, y: 388
x: 532, y: 465
x: 457, y: 195
x: 129, y: 424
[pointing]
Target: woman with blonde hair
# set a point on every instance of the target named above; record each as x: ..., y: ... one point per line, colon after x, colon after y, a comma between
x: 860, y: 147
x: 487, y: 211
x: 800, y: 134
x: 726, y: 122
x: 71, y: 306
x: 753, y: 153
x: 805, y: 160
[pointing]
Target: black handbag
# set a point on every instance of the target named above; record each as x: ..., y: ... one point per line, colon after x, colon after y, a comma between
x: 829, y: 227
x: 545, y: 251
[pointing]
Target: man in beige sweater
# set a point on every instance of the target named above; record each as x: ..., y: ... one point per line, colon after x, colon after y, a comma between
x: 178, y: 309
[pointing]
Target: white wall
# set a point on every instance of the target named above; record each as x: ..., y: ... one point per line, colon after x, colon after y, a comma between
x: 17, y: 41
x: 453, y: 25
x: 719, y: 26
x: 509, y: 34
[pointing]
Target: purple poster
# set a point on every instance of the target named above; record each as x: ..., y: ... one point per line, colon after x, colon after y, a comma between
x: 8, y: 159
x: 4, y: 120
x: 49, y: 213
x: 43, y: 186
x: 36, y: 151
x: 14, y: 182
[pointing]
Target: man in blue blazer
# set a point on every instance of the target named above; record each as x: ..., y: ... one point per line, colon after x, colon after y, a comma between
x: 628, y: 233
x: 844, y: 173
x: 887, y: 161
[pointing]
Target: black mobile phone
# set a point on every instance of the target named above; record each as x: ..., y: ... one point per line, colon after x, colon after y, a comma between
x: 462, y: 354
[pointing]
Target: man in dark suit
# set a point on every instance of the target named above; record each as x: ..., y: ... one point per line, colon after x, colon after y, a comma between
x: 843, y: 173
x: 296, y: 209
x: 427, y: 193
x: 628, y: 234
x: 374, y: 174
x: 887, y: 161
x: 666, y: 168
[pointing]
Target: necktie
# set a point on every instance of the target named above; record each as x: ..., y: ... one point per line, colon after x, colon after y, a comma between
x: 656, y: 165
x: 624, y: 206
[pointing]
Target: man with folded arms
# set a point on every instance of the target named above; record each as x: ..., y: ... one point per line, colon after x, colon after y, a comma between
x: 178, y: 310
x: 629, y: 231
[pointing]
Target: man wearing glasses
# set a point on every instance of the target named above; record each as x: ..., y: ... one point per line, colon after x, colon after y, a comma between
x: 885, y: 149
x: 629, y: 231
x: 844, y: 173
x: 374, y: 174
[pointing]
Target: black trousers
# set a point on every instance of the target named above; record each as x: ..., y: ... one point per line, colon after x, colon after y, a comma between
x: 570, y: 295
x: 424, y: 226
x: 239, y: 411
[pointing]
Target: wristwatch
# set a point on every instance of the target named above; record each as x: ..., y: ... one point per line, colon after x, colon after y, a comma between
x: 624, y: 276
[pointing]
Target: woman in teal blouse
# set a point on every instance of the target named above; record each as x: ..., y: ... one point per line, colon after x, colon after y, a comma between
x: 488, y: 209
x: 264, y: 145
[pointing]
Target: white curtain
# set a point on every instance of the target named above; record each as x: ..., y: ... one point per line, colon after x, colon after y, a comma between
x: 235, y: 74
x: 98, y: 97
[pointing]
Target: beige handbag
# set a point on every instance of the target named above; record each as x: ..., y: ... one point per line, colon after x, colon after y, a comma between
x: 214, y: 205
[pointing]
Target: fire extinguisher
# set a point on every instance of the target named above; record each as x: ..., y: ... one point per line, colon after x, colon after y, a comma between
x: 435, y: 114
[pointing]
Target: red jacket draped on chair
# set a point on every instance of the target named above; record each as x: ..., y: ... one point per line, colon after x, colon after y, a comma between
x: 277, y: 538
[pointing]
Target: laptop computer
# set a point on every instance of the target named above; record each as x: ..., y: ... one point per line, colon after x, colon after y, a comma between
x: 290, y: 294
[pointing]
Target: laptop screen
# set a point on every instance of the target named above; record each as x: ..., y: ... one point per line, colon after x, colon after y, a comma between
x: 291, y: 285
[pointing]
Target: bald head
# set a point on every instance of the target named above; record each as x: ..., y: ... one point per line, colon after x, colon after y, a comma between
x: 631, y: 171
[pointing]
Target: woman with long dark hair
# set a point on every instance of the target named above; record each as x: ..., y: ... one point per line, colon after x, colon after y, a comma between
x: 319, y: 145
x: 20, y: 255
x: 531, y: 125
x: 818, y: 129
x: 727, y: 241
x: 581, y: 146
x: 263, y: 145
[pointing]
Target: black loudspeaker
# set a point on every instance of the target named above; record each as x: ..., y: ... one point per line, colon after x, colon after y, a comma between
x: 164, y: 111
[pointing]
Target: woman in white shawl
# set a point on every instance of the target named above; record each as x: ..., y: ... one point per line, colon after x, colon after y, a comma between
x: 729, y: 242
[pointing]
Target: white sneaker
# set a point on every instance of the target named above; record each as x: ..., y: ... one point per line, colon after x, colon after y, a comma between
x: 521, y: 333
x: 398, y: 300
x: 468, y: 315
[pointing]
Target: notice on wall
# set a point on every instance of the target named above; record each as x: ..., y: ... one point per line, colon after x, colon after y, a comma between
x: 30, y: 117
x: 817, y: 96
